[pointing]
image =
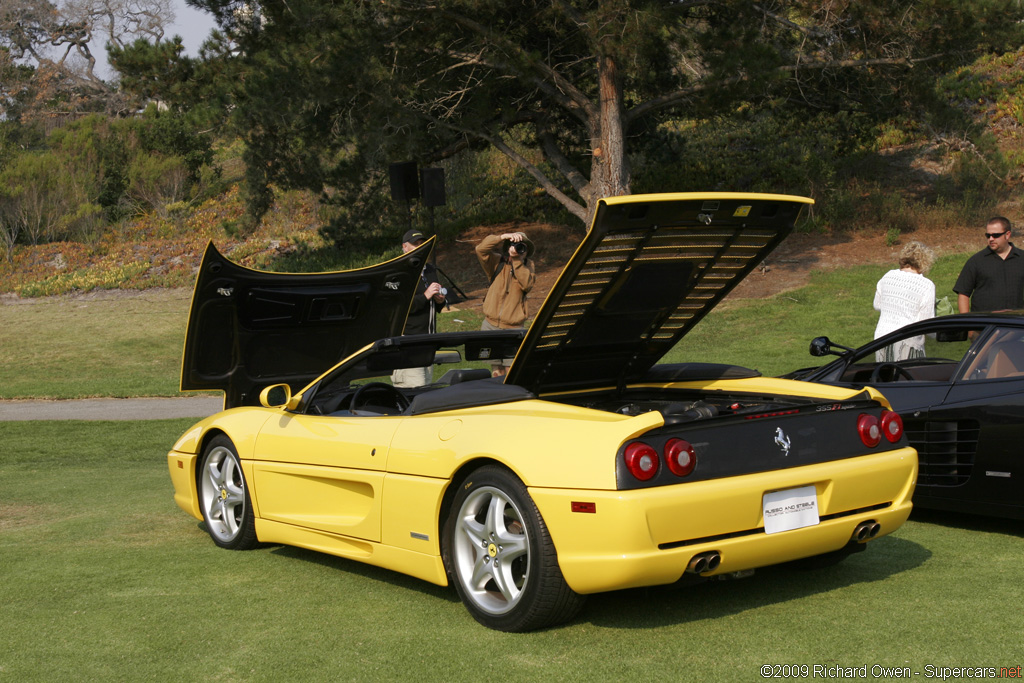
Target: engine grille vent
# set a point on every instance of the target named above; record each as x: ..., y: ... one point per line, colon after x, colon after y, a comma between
x: 945, y: 450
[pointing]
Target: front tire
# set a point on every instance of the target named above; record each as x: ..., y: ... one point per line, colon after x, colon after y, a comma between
x: 224, y: 497
x: 500, y: 556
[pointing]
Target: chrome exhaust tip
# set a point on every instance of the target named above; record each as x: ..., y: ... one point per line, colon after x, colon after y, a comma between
x: 865, y: 531
x: 704, y: 562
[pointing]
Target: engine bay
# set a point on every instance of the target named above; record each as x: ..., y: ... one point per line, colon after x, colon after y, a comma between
x: 679, y: 407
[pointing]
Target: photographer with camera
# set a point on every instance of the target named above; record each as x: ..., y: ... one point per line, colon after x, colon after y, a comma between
x: 506, y: 260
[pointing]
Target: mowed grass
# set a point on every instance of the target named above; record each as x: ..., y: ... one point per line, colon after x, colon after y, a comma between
x: 121, y: 346
x: 76, y: 348
x: 104, y: 578
x: 65, y: 347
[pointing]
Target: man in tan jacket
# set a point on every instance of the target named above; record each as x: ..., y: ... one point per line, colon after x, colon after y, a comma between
x: 506, y: 260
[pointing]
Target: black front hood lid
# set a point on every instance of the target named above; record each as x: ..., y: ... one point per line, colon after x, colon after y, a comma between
x: 248, y: 329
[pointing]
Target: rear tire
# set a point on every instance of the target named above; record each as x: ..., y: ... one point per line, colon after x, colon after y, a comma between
x: 500, y: 557
x: 224, y: 497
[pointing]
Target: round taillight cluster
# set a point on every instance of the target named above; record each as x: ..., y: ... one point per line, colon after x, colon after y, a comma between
x: 679, y: 457
x: 643, y: 460
x: 892, y: 426
x: 871, y: 429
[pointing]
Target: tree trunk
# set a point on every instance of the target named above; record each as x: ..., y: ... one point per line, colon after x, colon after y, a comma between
x: 609, y: 166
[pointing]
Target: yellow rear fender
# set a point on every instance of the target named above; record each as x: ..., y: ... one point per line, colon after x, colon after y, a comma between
x: 543, y: 443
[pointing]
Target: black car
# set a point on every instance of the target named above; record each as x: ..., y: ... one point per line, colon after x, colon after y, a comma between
x: 962, y: 405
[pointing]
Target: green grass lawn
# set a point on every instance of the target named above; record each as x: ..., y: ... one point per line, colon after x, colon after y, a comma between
x: 104, y: 578
x: 64, y: 347
x: 130, y: 346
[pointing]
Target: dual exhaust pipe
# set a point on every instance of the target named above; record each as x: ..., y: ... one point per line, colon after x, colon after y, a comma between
x: 865, y: 531
x: 704, y: 562
x: 709, y: 561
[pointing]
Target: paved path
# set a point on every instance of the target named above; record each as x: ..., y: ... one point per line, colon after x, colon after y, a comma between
x: 112, y: 408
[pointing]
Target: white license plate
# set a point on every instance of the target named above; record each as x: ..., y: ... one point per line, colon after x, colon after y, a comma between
x: 790, y: 509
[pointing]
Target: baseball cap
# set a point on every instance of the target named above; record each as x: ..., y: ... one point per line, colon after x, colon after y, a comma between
x: 413, y: 236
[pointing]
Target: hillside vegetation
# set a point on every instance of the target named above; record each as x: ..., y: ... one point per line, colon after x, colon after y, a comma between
x: 897, y: 179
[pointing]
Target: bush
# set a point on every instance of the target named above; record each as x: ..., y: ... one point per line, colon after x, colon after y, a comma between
x: 127, y: 166
x: 46, y: 198
x: 156, y: 181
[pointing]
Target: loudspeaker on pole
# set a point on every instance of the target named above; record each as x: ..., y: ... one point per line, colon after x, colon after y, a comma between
x: 404, y: 185
x: 432, y: 186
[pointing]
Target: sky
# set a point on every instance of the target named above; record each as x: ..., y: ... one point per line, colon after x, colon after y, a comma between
x: 192, y: 25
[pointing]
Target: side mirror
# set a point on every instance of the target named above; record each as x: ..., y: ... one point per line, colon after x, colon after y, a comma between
x: 275, y: 396
x: 823, y: 346
x: 820, y: 346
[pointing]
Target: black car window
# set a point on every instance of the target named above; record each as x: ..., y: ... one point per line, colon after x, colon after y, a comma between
x: 950, y: 347
x: 942, y: 353
x: 999, y: 356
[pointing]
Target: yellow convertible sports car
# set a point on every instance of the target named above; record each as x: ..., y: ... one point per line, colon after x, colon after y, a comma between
x: 588, y: 468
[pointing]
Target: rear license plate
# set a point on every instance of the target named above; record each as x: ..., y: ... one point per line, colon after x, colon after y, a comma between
x: 790, y: 509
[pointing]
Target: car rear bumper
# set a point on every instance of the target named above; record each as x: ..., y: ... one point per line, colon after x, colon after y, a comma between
x: 647, y: 537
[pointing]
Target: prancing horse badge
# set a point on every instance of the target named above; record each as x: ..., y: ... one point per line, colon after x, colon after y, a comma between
x: 782, y: 441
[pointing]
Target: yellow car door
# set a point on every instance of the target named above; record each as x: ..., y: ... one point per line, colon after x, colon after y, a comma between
x: 323, y: 472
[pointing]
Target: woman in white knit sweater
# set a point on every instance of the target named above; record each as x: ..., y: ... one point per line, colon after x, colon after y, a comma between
x: 904, y: 296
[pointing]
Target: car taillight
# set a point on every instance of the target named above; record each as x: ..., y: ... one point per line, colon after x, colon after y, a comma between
x: 870, y: 432
x: 679, y: 457
x: 892, y: 425
x: 641, y: 460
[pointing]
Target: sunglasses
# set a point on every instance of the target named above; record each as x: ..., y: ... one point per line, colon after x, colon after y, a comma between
x: 993, y: 235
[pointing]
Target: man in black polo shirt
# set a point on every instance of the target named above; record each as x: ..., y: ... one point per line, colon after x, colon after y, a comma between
x: 992, y: 279
x: 427, y: 303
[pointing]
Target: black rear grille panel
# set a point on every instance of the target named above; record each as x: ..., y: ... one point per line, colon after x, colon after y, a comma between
x: 945, y: 450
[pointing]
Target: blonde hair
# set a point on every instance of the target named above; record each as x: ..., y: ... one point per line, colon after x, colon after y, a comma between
x: 917, y: 256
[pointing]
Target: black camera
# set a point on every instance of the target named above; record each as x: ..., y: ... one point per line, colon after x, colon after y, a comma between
x: 519, y: 248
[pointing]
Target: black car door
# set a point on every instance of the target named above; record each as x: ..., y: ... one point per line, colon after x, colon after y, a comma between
x: 982, y: 419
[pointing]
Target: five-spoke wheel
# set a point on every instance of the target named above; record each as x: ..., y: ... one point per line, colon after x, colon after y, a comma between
x: 224, y: 497
x: 501, y: 558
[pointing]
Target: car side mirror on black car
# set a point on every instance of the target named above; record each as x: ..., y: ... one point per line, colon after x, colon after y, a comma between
x: 820, y: 346
x: 823, y: 346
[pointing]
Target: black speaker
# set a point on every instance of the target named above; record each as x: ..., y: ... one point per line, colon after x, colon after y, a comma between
x: 404, y: 186
x: 432, y: 186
